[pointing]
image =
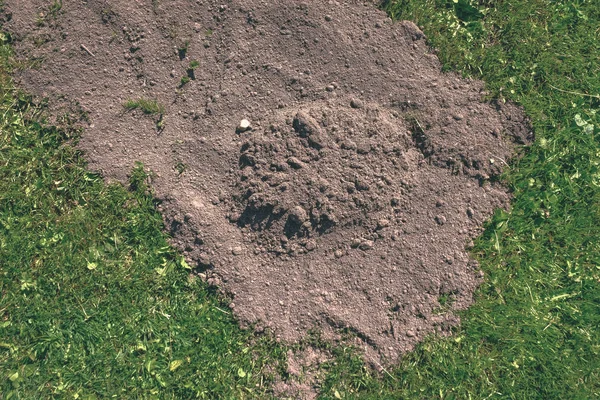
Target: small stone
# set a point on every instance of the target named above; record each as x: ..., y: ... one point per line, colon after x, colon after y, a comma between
x: 311, y: 245
x: 355, y: 242
x: 440, y: 203
x: 295, y: 163
x: 470, y: 212
x: 236, y: 251
x: 328, y: 18
x: 410, y: 334
x: 338, y: 253
x: 330, y: 88
x: 356, y: 103
x: 243, y: 126
x: 458, y: 117
x: 383, y: 223
x: 395, y: 201
x: 440, y: 219
x: 366, y: 245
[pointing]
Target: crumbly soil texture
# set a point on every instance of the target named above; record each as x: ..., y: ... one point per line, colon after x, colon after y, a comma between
x: 346, y: 200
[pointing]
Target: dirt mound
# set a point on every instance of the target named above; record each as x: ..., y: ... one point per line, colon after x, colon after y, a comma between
x: 321, y: 170
x: 346, y: 198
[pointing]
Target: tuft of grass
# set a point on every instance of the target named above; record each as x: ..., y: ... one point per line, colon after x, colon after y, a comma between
x: 191, y: 70
x: 94, y: 302
x: 532, y: 332
x: 147, y: 106
x: 55, y: 8
x: 184, y: 81
x: 182, y: 50
x: 51, y: 15
x: 180, y: 168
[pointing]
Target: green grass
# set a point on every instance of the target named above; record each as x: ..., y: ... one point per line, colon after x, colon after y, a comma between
x: 534, y: 332
x: 55, y: 8
x: 147, y: 106
x: 95, y: 304
x: 184, y: 81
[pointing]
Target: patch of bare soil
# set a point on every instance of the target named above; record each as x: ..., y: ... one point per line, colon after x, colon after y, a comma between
x: 303, y: 370
x: 348, y: 202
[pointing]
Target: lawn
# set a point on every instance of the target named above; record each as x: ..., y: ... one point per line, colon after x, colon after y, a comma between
x: 95, y: 304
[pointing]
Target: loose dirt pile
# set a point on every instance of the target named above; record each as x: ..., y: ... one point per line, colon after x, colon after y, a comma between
x: 347, y: 203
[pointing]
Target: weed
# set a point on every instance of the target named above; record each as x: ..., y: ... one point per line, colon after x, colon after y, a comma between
x: 147, y: 106
x: 114, y: 36
x: 160, y: 123
x: 183, y: 49
x: 40, y: 20
x: 180, y: 168
x: 55, y: 8
x: 40, y: 39
x: 51, y: 15
x: 184, y: 80
x: 191, y: 68
x: 172, y: 32
x: 108, y: 15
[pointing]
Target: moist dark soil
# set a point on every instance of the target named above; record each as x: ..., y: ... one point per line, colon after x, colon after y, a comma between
x: 348, y: 202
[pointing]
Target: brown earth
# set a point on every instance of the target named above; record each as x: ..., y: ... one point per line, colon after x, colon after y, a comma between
x: 349, y: 202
